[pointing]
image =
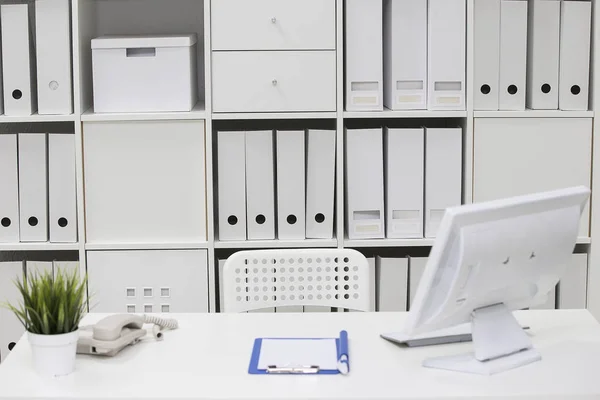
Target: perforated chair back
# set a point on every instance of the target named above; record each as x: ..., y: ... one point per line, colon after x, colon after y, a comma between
x: 300, y: 277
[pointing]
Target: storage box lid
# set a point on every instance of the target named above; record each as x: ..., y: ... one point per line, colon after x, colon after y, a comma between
x: 143, y: 41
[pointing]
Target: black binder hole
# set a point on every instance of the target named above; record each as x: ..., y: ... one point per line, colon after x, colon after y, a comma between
x: 33, y: 221
x: 291, y: 219
x: 62, y: 222
x: 512, y: 89
x: 320, y: 218
x: 546, y: 88
x: 260, y: 219
x: 6, y: 222
x: 575, y: 89
x: 232, y: 220
x: 17, y: 94
x: 486, y: 89
x: 11, y: 346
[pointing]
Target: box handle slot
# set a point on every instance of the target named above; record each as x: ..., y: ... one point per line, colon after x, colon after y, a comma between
x: 141, y: 52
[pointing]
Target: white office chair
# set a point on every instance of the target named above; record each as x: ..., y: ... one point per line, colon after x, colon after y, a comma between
x: 301, y: 277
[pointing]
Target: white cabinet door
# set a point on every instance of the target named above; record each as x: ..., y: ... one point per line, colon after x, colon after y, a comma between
x: 572, y: 289
x: 145, y: 182
x: 516, y: 156
x: 273, y: 25
x: 263, y: 81
x: 145, y: 281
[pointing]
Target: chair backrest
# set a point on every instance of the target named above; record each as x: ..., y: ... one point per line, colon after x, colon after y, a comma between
x: 300, y: 277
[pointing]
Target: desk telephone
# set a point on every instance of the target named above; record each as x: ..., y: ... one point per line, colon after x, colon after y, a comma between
x: 113, y: 333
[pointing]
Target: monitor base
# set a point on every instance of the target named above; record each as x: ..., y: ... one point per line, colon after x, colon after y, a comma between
x: 468, y: 363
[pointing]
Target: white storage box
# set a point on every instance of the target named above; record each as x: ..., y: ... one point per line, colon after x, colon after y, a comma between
x: 144, y: 73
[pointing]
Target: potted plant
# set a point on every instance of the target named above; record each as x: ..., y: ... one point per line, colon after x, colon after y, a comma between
x: 51, y: 309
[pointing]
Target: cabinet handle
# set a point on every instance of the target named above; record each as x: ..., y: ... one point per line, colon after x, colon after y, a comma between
x: 274, y: 82
x: 274, y: 20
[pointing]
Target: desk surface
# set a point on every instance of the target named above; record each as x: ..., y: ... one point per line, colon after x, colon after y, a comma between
x: 207, y: 358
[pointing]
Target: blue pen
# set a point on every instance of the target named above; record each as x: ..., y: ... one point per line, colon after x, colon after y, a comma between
x: 343, y: 363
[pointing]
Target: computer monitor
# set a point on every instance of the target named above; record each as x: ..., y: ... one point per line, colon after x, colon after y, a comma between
x: 488, y: 260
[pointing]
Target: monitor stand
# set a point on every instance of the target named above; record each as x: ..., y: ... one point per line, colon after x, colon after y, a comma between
x: 500, y: 345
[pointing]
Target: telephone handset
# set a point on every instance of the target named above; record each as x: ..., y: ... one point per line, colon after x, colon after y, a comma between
x: 113, y: 333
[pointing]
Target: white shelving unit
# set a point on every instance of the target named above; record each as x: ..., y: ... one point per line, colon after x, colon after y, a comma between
x: 92, y: 18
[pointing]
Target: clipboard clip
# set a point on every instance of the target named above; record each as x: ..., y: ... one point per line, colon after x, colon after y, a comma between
x: 308, y: 369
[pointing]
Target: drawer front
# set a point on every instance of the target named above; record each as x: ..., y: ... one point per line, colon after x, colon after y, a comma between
x: 273, y: 24
x: 274, y: 81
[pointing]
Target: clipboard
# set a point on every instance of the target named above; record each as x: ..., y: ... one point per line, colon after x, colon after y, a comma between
x: 301, y: 356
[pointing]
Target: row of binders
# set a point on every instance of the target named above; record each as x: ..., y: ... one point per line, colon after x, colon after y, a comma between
x: 532, y: 54
x: 405, y: 54
x: 38, y: 196
x: 301, y: 205
x: 45, y: 44
x: 10, y: 327
x: 401, y: 179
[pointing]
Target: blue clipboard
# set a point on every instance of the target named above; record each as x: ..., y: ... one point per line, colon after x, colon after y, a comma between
x: 343, y: 360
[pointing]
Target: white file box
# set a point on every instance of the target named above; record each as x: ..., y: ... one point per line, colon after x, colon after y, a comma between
x: 392, y: 284
x: 447, y: 54
x: 9, y: 195
x: 62, y: 188
x: 231, y: 181
x: 549, y: 304
x: 53, y: 51
x: 364, y: 55
x: 572, y: 289
x: 416, y: 268
x: 66, y: 267
x: 513, y: 54
x: 405, y: 54
x: 33, y: 187
x: 575, y: 37
x: 404, y: 179
x: 260, y: 185
x: 291, y: 185
x: 148, y: 281
x: 18, y: 60
x: 543, y: 54
x: 487, y: 54
x: 364, y: 184
x: 443, y: 174
x: 11, y: 329
x: 320, y: 184
x: 144, y: 73
x: 38, y: 267
x: 221, y: 263
x: 1, y: 79
x: 373, y: 283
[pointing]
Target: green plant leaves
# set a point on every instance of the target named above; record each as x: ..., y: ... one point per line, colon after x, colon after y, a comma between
x: 51, y: 305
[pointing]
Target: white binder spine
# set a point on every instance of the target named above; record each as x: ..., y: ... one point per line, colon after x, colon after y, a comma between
x: 320, y: 184
x: 260, y: 185
x: 404, y: 180
x: 53, y: 50
x: 405, y: 54
x: 447, y: 54
x: 291, y: 185
x: 575, y: 37
x: 392, y: 284
x: 62, y: 188
x: 543, y: 54
x: 416, y: 268
x: 231, y: 182
x: 9, y: 194
x: 11, y: 329
x: 33, y: 187
x: 364, y: 55
x: 18, y: 60
x: 486, y: 54
x: 513, y: 54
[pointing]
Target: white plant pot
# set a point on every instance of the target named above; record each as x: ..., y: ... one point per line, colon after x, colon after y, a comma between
x: 53, y: 355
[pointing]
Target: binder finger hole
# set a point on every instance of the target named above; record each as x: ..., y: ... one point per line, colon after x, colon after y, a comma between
x: 33, y: 221
x: 232, y: 220
x: 11, y: 346
x: 486, y: 89
x: 291, y: 219
x: 575, y: 89
x: 17, y: 94
x: 6, y: 222
x: 63, y: 222
x: 261, y: 219
x: 512, y: 89
x: 320, y: 218
x: 546, y: 88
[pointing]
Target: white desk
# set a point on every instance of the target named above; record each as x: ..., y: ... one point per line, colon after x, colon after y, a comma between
x: 207, y: 358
